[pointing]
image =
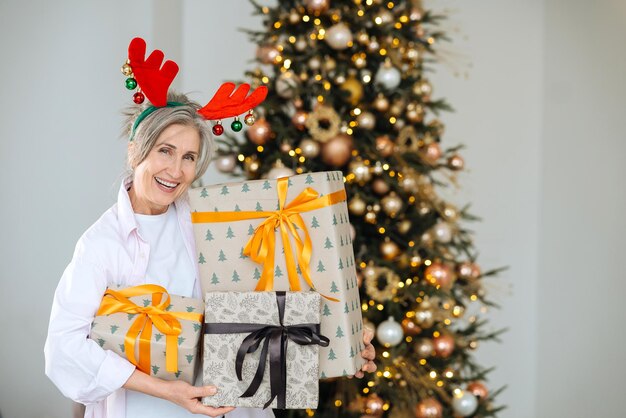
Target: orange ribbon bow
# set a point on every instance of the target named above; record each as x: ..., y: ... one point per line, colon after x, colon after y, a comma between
x: 261, y: 246
x: 115, y: 301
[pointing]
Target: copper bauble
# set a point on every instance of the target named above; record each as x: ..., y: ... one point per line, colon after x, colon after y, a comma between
x: 384, y: 146
x: 392, y: 204
x: 336, y: 152
x: 299, y: 119
x: 267, y: 54
x: 381, y: 103
x: 374, y: 405
x: 309, y: 148
x: 478, y: 389
x: 439, y: 274
x: 431, y: 152
x: 360, y: 170
x: 456, y: 162
x: 444, y: 345
x: 410, y: 327
x: 316, y: 6
x: 429, y: 408
x: 389, y: 249
x: 260, y: 132
x: 380, y: 186
x: 366, y: 120
x: 424, y: 348
x: 469, y: 270
x: 357, y: 206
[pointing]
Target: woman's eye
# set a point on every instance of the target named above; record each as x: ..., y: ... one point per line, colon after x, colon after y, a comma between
x: 164, y: 150
x: 190, y: 157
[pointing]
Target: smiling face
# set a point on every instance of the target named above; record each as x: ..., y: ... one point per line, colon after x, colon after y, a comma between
x: 167, y: 171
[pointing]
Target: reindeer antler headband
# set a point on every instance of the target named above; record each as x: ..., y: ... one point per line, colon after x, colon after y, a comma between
x: 153, y: 80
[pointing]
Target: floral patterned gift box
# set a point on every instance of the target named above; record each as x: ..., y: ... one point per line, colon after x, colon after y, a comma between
x: 261, y: 349
x: 241, y: 230
x: 164, y: 330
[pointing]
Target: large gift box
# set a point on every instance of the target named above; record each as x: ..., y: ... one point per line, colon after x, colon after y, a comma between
x: 241, y: 230
x: 261, y: 349
x: 157, y: 332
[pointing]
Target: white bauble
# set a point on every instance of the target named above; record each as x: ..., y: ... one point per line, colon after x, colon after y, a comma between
x: 338, y: 36
x: 309, y: 148
x: 389, y: 332
x: 464, y: 403
x: 442, y: 232
x: 286, y: 85
x: 225, y: 163
x: 278, y: 172
x: 366, y: 120
x: 388, y: 77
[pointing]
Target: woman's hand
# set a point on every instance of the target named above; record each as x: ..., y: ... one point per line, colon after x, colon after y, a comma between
x: 368, y: 353
x: 179, y: 392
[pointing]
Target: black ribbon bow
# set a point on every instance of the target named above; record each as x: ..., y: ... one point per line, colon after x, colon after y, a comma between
x: 274, y: 339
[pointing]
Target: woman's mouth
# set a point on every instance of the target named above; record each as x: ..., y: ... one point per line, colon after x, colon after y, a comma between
x: 166, y: 186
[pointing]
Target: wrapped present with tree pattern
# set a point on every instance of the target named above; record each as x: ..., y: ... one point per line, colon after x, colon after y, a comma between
x: 286, y: 234
x: 164, y: 330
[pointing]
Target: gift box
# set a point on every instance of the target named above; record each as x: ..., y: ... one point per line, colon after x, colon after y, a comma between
x: 163, y: 330
x: 286, y: 234
x: 261, y: 349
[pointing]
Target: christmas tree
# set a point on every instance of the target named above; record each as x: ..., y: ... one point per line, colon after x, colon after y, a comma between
x: 348, y: 90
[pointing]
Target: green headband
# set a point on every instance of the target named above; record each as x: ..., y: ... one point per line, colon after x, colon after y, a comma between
x: 147, y: 112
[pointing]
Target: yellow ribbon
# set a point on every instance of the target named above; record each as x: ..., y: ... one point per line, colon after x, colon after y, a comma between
x: 261, y: 245
x: 115, y: 301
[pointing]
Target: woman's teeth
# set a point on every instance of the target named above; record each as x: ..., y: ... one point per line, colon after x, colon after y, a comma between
x: 166, y: 183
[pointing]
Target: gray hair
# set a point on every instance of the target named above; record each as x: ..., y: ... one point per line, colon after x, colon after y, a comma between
x: 149, y: 129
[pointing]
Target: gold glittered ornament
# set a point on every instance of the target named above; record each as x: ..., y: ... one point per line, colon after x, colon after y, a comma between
x: 323, y: 123
x: 408, y: 140
x: 385, y: 289
x: 389, y: 249
x: 251, y: 165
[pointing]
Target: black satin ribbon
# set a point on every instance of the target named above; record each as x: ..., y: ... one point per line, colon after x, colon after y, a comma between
x: 274, y: 339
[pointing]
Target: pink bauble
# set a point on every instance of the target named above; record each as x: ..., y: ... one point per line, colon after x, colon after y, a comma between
x: 336, y: 152
x: 444, y: 345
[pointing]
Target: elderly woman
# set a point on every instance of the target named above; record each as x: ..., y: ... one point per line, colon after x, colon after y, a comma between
x: 146, y: 237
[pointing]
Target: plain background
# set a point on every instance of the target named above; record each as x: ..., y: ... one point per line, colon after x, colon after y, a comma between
x: 539, y: 91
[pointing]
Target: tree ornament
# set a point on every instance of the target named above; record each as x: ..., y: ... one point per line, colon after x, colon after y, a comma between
x: 338, y: 36
x: 449, y: 212
x: 380, y: 186
x: 218, y: 129
x: 299, y: 119
x: 409, y: 327
x: 468, y: 270
x: 285, y: 147
x: 439, y: 274
x: 286, y: 85
x: 309, y: 148
x: 366, y: 120
x: 374, y: 405
x: 279, y: 170
x: 336, y: 152
x: 323, y: 123
x: 415, y: 112
x: 408, y: 140
x: 464, y: 403
x: 354, y: 88
x: 381, y: 103
x: 424, y: 317
x: 260, y: 132
x: 251, y: 165
x: 404, y: 226
x: 442, y: 232
x: 389, y: 249
x: 424, y: 348
x: 131, y: 83
x: 377, y: 169
x: 236, y: 125
x: 139, y: 97
x: 383, y: 17
x: 389, y: 333
x: 301, y: 44
x: 370, y: 217
x: 392, y: 204
x: 357, y: 206
x: 478, y: 389
x: 384, y: 146
x: 127, y: 70
x: 431, y: 152
x: 249, y: 119
x: 267, y: 54
x: 415, y: 260
x: 397, y: 107
x: 329, y: 63
x: 317, y: 7
x: 294, y: 17
x: 315, y: 63
x: 456, y: 162
x: 424, y: 89
x: 388, y: 76
x: 373, y: 46
x: 360, y: 171
x: 436, y: 127
x: 382, y: 292
x: 444, y: 345
x: 225, y: 163
x: 429, y: 408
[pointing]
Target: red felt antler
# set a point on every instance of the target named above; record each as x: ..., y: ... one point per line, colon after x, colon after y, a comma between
x: 153, y: 79
x: 228, y: 102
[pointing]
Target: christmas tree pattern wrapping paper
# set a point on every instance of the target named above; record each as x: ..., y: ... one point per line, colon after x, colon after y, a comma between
x: 224, y: 266
x: 109, y: 331
x: 257, y: 310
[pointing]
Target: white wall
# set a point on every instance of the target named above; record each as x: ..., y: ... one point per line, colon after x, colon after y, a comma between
x: 541, y: 113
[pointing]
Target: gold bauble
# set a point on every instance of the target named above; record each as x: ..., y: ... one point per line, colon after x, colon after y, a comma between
x: 414, y: 112
x: 299, y: 120
x: 431, y: 152
x: 370, y: 217
x: 251, y: 165
x: 389, y: 249
x: 397, y: 107
x: 424, y: 317
x: 422, y: 88
x: 374, y: 405
x: 381, y: 103
x: 410, y: 327
x: 424, y: 347
x: 384, y: 146
x: 294, y: 17
x: 392, y: 204
x: 357, y: 206
x: 409, y: 182
x: 363, y: 38
x: 380, y: 186
x: 127, y: 70
x: 336, y: 152
x: 354, y: 88
x: 450, y: 212
x: 366, y: 120
x: 285, y: 147
x: 423, y: 208
x: 439, y: 274
x: 415, y: 260
x: 456, y: 162
x: 360, y: 171
x: 309, y: 148
x: 404, y: 226
x: 330, y: 64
